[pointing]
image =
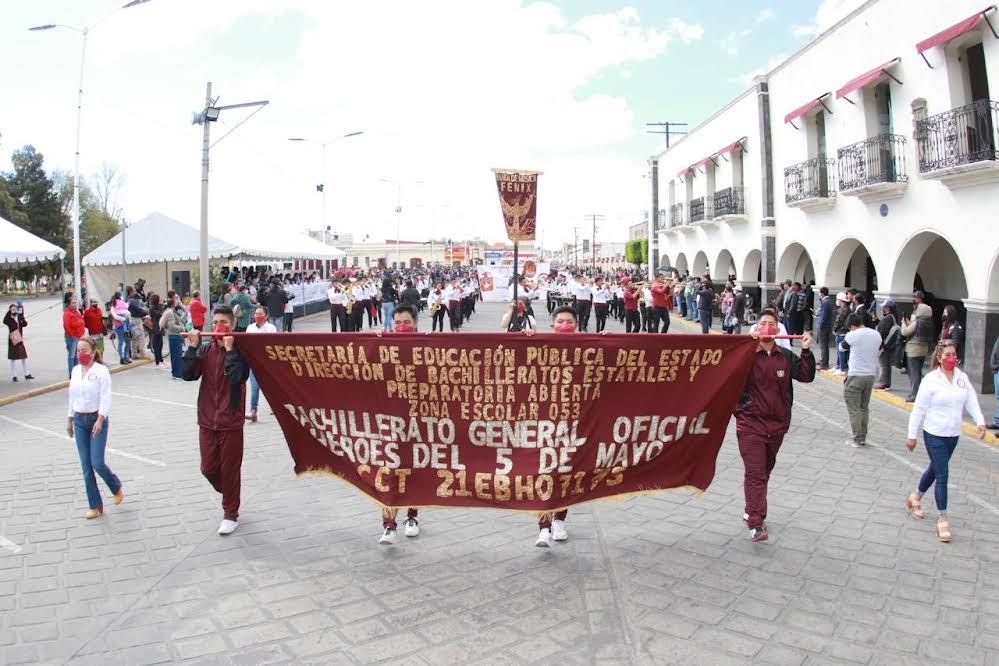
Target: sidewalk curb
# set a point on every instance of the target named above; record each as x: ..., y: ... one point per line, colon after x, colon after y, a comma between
x: 41, y: 390
x: 968, y: 428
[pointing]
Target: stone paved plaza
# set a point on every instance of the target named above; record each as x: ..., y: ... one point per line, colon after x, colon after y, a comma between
x: 847, y: 576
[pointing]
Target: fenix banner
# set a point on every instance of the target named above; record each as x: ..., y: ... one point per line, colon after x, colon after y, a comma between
x: 500, y: 420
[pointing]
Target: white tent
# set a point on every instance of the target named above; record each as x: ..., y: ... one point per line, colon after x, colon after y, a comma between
x: 164, y: 252
x: 19, y: 247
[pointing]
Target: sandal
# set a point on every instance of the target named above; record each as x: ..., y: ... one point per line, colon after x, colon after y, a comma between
x: 943, y: 530
x: 912, y: 504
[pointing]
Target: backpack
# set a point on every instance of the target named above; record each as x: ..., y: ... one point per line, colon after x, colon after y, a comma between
x: 893, y: 337
x: 924, y: 330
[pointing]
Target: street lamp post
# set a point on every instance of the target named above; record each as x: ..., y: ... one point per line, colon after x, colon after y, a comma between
x: 84, y: 33
x: 398, y: 217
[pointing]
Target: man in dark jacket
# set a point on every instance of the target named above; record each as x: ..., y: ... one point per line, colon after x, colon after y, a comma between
x: 221, y: 404
x: 738, y: 311
x: 994, y: 365
x: 763, y: 415
x: 275, y: 300
x: 411, y: 297
x: 827, y: 312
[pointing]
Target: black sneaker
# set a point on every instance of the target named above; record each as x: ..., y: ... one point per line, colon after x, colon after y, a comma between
x: 759, y: 534
x: 32, y: 377
x: 14, y: 379
x: 992, y: 426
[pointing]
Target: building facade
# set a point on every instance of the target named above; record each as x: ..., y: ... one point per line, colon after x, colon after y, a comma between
x: 869, y: 159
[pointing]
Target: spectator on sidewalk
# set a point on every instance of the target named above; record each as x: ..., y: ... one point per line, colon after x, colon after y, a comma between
x: 705, y: 304
x: 289, y: 310
x: 259, y: 325
x: 172, y: 325
x: 891, y: 337
x: 73, y: 328
x: 763, y: 415
x: 118, y: 309
x: 738, y: 311
x: 156, y: 310
x: 15, y: 322
x: 918, y: 333
x: 137, y: 314
x: 840, y: 329
x: 239, y: 301
x: 864, y: 345
x: 93, y: 319
x: 823, y: 325
x: 197, y: 310
x: 274, y: 301
x: 940, y: 404
x: 994, y: 364
x: 952, y: 330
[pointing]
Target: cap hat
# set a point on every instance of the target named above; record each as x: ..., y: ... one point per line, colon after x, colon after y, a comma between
x: 841, y: 296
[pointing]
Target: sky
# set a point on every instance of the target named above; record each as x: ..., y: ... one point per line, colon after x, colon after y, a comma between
x: 443, y: 91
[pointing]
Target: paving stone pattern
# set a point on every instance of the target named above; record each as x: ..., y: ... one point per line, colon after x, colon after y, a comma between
x: 669, y: 578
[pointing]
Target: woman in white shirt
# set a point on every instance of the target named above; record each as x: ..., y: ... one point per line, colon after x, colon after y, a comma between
x: 943, y: 396
x: 87, y: 421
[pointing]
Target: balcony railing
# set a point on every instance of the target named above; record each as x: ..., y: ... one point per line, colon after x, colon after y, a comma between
x: 880, y: 159
x: 697, y: 210
x: 676, y: 218
x: 960, y: 136
x: 812, y: 179
x: 729, y: 202
x: 661, y: 221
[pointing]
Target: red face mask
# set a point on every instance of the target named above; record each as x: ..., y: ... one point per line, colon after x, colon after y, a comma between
x: 521, y: 308
x: 84, y: 357
x: 565, y: 328
x: 404, y: 328
x: 768, y: 331
x: 260, y: 319
x: 221, y: 327
x: 948, y: 363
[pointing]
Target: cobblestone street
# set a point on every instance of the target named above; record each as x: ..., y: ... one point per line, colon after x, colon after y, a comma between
x: 847, y: 576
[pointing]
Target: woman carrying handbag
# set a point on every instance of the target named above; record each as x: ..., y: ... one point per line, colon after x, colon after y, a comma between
x: 16, y: 351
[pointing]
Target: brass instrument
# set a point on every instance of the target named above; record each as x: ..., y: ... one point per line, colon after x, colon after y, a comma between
x: 350, y: 298
x: 434, y: 308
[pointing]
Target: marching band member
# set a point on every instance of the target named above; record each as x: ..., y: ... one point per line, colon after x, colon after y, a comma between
x: 582, y: 296
x: 452, y: 296
x: 355, y: 314
x: 438, y: 308
x: 367, y: 297
x: 645, y: 307
x: 661, y: 295
x: 338, y: 306
x: 629, y: 297
x: 600, y: 295
x: 518, y: 317
x: 619, y: 300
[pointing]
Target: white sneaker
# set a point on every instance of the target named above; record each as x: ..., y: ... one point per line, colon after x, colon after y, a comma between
x: 228, y: 526
x: 412, y: 527
x: 388, y: 537
x: 855, y: 444
x: 544, y: 538
x: 558, y: 530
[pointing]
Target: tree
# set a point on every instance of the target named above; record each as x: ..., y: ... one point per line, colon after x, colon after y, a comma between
x: 36, y: 195
x: 643, y: 251
x: 108, y: 182
x: 97, y: 225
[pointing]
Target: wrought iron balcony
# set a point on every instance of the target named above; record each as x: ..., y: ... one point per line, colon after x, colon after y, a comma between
x: 661, y: 221
x: 880, y: 159
x: 697, y: 210
x: 810, y: 182
x: 729, y: 202
x: 676, y: 218
x: 961, y: 136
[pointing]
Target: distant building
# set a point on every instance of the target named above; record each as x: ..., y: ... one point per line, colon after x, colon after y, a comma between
x: 638, y: 231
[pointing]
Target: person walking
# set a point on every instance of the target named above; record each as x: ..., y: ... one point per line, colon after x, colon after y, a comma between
x: 824, y: 326
x: 726, y: 306
x: 15, y: 322
x: 197, y: 310
x: 705, y: 304
x: 289, y: 310
x: 839, y: 330
x: 994, y: 365
x: 864, y: 345
x: 156, y: 310
x: 221, y: 407
x: 389, y: 300
x: 93, y: 319
x: 661, y: 295
x: 918, y: 333
x: 259, y: 325
x: 338, y: 307
x: 239, y: 301
x: 172, y: 325
x: 88, y: 422
x: 73, y: 328
x: 632, y: 320
x: 763, y: 415
x: 601, y: 295
x: 943, y: 397
x: 738, y: 310
x: 275, y: 301
x: 435, y: 301
x: 891, y: 336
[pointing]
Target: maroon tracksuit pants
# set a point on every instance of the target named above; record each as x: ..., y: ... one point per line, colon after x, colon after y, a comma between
x: 759, y: 455
x: 546, y: 519
x: 221, y: 464
x: 389, y: 515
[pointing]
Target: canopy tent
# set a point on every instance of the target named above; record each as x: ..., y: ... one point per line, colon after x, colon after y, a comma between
x: 165, y: 253
x: 19, y: 247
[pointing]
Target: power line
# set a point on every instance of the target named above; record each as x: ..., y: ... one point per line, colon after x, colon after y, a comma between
x: 666, y: 129
x: 594, y: 217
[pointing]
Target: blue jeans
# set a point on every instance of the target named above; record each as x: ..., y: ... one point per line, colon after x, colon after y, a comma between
x: 705, y: 317
x: 254, y: 392
x: 278, y: 322
x: 691, y: 308
x: 121, y: 339
x: 842, y: 357
x: 387, y: 315
x: 176, y: 344
x: 91, y: 449
x: 995, y: 378
x: 940, y: 449
x: 71, y: 353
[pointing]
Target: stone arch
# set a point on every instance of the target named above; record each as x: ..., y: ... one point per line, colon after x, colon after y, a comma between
x: 795, y: 264
x: 664, y: 261
x: 928, y: 261
x: 681, y: 263
x: 724, y: 266
x: 992, y: 290
x: 700, y: 264
x: 752, y: 267
x: 850, y: 265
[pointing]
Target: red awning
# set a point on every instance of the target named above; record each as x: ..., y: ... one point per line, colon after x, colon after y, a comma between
x: 683, y: 172
x: 955, y: 30
x: 730, y: 147
x: 701, y: 163
x: 802, y: 110
x: 864, y: 79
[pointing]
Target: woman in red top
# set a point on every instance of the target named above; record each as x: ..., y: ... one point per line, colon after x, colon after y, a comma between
x: 73, y: 328
x: 93, y: 319
x: 197, y: 310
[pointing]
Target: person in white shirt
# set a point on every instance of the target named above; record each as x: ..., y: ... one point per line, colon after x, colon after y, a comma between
x: 944, y: 394
x: 601, y: 295
x: 864, y: 345
x: 87, y: 421
x: 452, y: 298
x: 435, y: 301
x: 582, y: 295
x: 338, y: 307
x: 289, y: 310
x: 259, y: 325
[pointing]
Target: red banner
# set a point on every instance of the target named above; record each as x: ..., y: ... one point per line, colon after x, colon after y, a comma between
x: 518, y: 194
x: 500, y: 420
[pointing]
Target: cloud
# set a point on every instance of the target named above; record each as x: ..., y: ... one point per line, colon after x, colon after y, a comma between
x: 747, y: 77
x: 828, y: 14
x: 765, y: 15
x: 687, y: 32
x: 732, y: 42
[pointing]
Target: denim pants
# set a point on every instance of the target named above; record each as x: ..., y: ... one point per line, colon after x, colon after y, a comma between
x: 940, y: 449
x: 176, y: 343
x: 71, y: 353
x: 387, y: 307
x: 705, y: 317
x: 691, y: 308
x: 91, y: 449
x: 121, y: 338
x: 915, y: 366
x: 842, y: 357
x: 995, y: 378
x: 278, y: 322
x: 254, y: 392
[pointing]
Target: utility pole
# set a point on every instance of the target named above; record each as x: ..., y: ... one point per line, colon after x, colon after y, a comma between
x: 575, y: 244
x: 666, y: 129
x: 594, y: 218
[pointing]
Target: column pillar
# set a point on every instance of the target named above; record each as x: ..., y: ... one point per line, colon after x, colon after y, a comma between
x: 768, y: 224
x: 980, y: 332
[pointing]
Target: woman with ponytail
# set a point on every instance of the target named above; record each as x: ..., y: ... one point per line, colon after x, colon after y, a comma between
x: 87, y: 421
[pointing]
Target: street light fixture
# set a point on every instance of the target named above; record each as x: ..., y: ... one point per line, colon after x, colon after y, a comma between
x: 84, y: 32
x: 321, y: 187
x: 398, y: 218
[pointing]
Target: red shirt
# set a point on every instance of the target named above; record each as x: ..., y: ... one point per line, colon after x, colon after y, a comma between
x: 630, y: 299
x: 72, y: 323
x: 659, y: 292
x: 198, y: 310
x: 94, y: 321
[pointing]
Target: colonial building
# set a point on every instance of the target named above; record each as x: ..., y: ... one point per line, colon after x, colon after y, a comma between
x: 868, y: 159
